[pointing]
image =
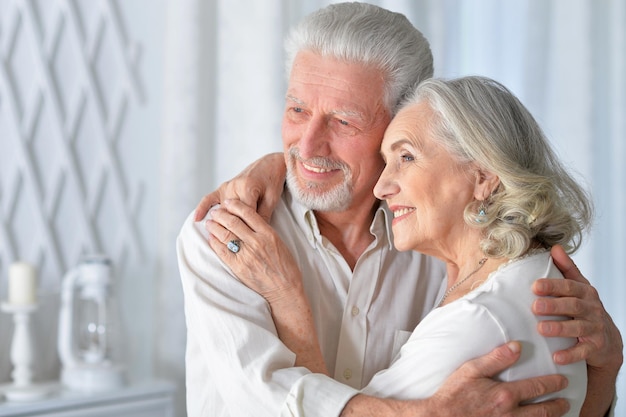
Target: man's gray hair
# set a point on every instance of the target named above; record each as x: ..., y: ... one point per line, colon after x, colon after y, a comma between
x: 367, y: 34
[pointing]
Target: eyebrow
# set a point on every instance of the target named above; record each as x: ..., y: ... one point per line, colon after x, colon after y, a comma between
x: 394, y: 147
x: 294, y: 99
x: 404, y: 141
x: 349, y: 113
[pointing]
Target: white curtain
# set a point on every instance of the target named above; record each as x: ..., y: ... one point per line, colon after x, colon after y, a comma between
x: 565, y: 59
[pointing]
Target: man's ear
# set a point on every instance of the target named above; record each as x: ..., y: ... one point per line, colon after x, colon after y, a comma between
x: 485, y: 184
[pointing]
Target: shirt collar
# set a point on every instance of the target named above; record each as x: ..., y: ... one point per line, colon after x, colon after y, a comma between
x: 387, y: 217
x: 305, y: 217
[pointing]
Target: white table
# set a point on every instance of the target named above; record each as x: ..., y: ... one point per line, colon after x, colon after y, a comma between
x: 148, y: 399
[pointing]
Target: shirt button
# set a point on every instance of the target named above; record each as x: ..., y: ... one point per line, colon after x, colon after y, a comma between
x: 347, y: 374
x: 355, y: 311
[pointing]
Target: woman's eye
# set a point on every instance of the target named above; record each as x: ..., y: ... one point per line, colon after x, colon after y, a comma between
x: 407, y: 157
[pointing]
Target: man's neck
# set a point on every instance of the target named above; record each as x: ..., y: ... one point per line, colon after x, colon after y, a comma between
x: 348, y: 231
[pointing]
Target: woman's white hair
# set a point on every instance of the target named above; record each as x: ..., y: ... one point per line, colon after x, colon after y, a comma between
x: 481, y: 121
x: 370, y: 35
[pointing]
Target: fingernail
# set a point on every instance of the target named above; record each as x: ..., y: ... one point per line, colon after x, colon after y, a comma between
x: 514, y: 347
x: 545, y: 328
x: 559, y: 358
x: 541, y: 286
x: 541, y: 306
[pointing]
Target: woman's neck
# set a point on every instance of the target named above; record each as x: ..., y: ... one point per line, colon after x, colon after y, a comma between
x: 468, y: 276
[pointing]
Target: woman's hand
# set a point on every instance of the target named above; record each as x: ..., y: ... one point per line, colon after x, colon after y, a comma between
x: 260, y: 185
x: 265, y: 264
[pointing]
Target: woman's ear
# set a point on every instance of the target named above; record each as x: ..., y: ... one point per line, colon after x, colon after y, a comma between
x: 486, y: 183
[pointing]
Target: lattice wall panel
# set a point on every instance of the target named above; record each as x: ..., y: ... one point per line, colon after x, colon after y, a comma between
x: 68, y: 78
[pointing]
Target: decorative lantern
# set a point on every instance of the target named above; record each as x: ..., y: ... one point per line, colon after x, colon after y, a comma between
x: 89, y: 329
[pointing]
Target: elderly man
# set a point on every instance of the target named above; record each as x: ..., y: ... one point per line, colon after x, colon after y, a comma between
x: 350, y: 65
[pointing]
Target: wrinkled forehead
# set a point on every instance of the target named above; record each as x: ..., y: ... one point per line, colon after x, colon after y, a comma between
x: 336, y: 86
x: 357, y: 77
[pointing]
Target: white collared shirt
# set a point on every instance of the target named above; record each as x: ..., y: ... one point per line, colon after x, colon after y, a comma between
x: 237, y: 366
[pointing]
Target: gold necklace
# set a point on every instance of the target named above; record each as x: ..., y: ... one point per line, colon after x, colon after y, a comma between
x: 455, y: 286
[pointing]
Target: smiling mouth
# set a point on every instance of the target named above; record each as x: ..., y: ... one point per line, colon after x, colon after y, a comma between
x: 317, y: 170
x: 402, y: 212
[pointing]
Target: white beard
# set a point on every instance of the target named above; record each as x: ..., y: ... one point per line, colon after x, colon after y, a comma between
x: 311, y: 194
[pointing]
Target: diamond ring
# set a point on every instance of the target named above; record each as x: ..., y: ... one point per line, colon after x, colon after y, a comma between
x: 234, y: 245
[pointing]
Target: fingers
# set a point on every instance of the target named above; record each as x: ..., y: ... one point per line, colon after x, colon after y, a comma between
x: 225, y: 227
x: 579, y: 352
x: 599, y: 340
x: 205, y: 204
x: 473, y: 382
x: 566, y: 306
x: 220, y: 233
x: 234, y: 220
x: 220, y: 248
x: 246, y: 213
x: 233, y: 189
x: 528, y: 389
x: 495, y: 361
x: 250, y: 195
x: 503, y: 357
x: 551, y: 408
x: 569, y: 328
x: 575, y: 329
x: 266, y: 205
x: 556, y: 287
x: 565, y: 264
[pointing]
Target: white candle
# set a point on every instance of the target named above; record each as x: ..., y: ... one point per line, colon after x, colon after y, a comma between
x: 22, y: 284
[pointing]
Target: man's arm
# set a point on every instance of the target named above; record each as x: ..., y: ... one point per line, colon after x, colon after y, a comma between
x: 485, y: 398
x: 470, y: 391
x: 599, y: 340
x: 259, y: 185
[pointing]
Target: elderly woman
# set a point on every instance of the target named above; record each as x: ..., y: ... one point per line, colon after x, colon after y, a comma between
x: 470, y: 179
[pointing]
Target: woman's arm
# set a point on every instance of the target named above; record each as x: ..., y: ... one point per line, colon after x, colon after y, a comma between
x: 266, y: 265
x: 259, y: 185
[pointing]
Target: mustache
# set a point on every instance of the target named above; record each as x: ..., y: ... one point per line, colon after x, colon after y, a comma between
x: 319, y: 161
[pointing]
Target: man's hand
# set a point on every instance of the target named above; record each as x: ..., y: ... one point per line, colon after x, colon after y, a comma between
x: 259, y: 185
x: 599, y: 340
x: 470, y: 392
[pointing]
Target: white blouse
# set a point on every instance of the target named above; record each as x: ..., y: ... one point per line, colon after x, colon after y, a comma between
x: 498, y: 311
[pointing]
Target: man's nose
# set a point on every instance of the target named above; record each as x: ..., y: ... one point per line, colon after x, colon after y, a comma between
x: 315, y: 139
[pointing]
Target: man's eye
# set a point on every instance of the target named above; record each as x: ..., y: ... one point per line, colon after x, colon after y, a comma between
x: 298, y: 109
x: 407, y: 157
x: 344, y: 122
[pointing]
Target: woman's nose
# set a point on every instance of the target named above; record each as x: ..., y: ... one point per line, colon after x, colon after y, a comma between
x: 385, y: 187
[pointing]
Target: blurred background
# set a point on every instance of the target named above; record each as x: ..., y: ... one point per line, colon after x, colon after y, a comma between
x: 116, y: 116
